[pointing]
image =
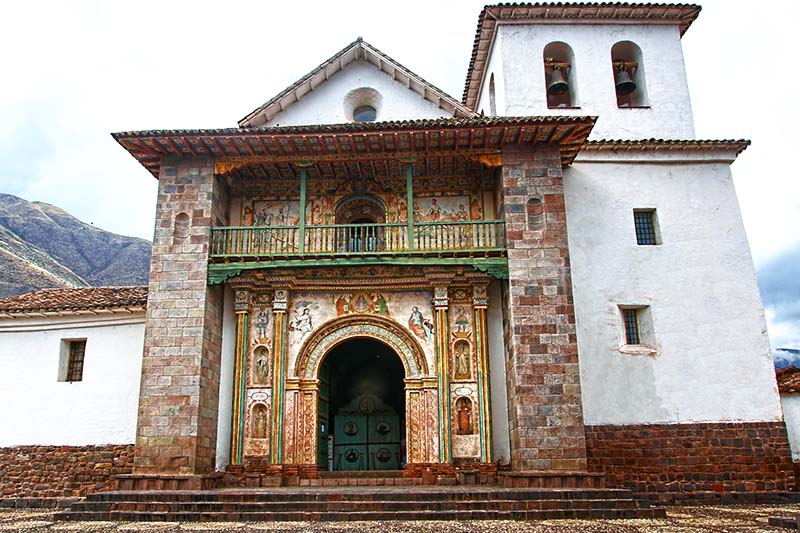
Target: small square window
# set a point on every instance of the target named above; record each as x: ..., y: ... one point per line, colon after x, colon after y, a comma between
x: 73, y: 352
x: 646, y: 224
x: 636, y: 332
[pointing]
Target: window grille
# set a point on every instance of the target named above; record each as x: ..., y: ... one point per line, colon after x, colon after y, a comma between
x: 644, y: 222
x: 77, y: 350
x: 631, y: 326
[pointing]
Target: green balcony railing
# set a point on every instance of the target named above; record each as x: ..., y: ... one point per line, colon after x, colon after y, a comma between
x: 430, y: 238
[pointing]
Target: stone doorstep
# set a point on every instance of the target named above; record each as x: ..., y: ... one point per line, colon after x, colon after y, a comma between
x: 553, y: 480
x: 167, y: 482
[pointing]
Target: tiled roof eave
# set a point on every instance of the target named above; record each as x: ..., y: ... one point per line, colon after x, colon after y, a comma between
x: 82, y: 300
x: 311, y: 144
x: 681, y: 15
x: 737, y: 146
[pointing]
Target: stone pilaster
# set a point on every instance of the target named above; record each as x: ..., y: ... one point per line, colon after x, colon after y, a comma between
x: 280, y: 305
x: 544, y: 395
x: 442, y: 340
x: 480, y: 302
x: 179, y: 394
x: 242, y: 308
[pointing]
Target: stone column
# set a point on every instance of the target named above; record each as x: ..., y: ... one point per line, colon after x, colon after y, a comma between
x: 280, y: 304
x: 480, y: 302
x: 442, y: 346
x: 179, y: 394
x: 543, y: 381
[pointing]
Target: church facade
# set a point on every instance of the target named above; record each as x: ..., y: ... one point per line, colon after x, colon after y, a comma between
x: 549, y: 277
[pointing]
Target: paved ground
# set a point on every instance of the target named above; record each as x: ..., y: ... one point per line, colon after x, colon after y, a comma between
x: 732, y: 518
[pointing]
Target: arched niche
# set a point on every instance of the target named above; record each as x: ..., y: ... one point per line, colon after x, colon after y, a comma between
x: 360, y: 208
x: 558, y: 56
x: 627, y: 64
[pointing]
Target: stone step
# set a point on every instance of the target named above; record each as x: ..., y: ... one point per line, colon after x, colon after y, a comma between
x: 373, y: 503
x: 355, y: 506
x: 368, y: 494
x: 305, y: 516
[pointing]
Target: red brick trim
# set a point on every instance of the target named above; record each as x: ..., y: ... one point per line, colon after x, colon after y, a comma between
x: 62, y: 471
x: 675, y: 458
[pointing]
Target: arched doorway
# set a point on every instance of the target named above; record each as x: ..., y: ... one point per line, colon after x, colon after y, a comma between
x: 362, y: 217
x: 361, y: 407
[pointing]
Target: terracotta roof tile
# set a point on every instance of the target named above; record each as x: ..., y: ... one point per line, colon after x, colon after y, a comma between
x: 681, y: 15
x: 74, y: 300
x: 788, y: 379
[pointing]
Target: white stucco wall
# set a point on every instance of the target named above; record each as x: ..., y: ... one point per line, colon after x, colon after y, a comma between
x: 35, y: 408
x: 497, y: 375
x: 670, y: 113
x: 325, y: 104
x: 227, y: 361
x: 712, y: 360
x: 495, y: 66
x: 791, y: 414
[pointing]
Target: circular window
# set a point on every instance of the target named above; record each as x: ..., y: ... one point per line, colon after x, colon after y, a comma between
x: 362, y: 104
x: 364, y: 113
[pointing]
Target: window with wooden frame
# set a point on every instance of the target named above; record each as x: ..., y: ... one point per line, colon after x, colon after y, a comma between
x: 73, y: 353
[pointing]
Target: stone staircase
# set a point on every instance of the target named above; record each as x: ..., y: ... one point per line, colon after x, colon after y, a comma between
x: 345, y: 503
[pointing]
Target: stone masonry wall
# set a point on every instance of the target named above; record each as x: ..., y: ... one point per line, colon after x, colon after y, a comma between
x: 543, y: 381
x: 61, y: 471
x: 687, y: 458
x: 178, y: 401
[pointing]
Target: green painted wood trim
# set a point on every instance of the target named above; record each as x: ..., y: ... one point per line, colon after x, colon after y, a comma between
x: 302, y: 223
x: 410, y: 203
x: 497, y: 267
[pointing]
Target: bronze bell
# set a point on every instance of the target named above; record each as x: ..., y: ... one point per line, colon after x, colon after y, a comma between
x: 557, y: 83
x: 623, y: 82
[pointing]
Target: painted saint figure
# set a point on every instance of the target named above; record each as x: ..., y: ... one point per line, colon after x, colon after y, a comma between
x: 261, y: 374
x: 462, y: 319
x: 259, y: 422
x: 462, y: 361
x: 262, y: 321
x: 464, y: 416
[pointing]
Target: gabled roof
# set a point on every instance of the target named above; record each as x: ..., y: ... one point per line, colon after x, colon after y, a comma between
x: 788, y: 379
x: 358, y: 50
x: 681, y: 15
x: 78, y: 300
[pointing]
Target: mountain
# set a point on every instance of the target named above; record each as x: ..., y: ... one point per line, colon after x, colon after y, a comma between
x: 43, y: 246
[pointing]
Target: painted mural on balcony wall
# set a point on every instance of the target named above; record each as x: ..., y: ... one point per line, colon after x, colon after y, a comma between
x: 321, y: 209
x: 309, y: 310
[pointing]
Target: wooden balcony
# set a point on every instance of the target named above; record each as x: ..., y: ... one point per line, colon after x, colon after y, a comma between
x: 483, y: 238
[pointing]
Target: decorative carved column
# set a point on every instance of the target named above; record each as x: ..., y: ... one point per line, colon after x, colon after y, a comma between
x: 442, y: 343
x: 280, y: 304
x: 480, y: 302
x: 242, y: 309
x: 422, y: 406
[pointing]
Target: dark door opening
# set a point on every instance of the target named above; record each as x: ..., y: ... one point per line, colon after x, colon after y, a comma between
x: 361, y: 408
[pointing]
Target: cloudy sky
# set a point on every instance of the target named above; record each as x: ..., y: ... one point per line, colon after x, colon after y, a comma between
x: 76, y: 71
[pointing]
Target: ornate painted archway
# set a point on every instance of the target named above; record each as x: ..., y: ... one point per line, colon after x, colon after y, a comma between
x: 302, y: 390
x: 338, y: 330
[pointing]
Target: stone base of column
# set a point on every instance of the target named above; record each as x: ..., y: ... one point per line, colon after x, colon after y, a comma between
x: 168, y: 482
x: 431, y: 473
